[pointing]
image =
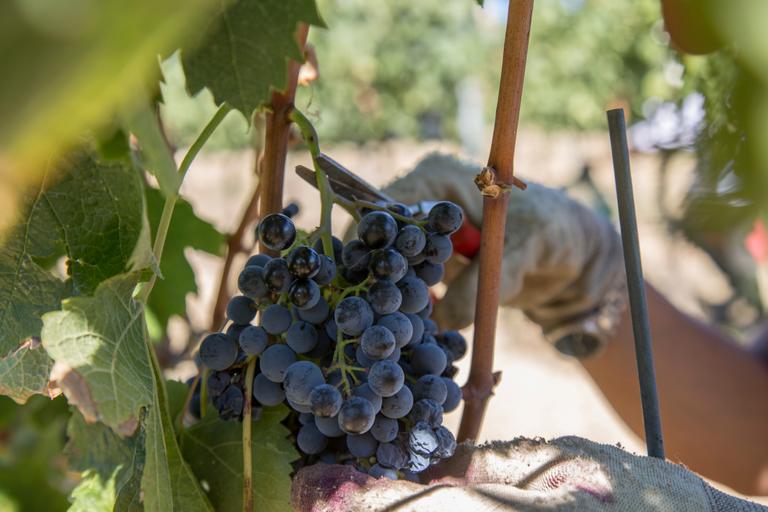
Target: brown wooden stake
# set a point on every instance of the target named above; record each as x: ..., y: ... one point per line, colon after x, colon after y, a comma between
x: 278, y: 129
x: 479, y: 387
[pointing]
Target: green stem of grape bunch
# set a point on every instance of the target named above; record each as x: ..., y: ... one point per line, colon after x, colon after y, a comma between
x: 326, y: 194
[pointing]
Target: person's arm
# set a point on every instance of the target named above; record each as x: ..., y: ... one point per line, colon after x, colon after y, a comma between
x: 713, y: 396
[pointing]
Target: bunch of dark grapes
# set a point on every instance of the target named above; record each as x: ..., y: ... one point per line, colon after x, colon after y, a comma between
x: 345, y: 339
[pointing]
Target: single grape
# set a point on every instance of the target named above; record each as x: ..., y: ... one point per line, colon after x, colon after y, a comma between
x: 329, y: 426
x: 365, y: 391
x: 276, y: 232
x: 377, y: 342
x: 230, y: 403
x: 415, y: 295
x: 356, y: 256
x: 397, y: 405
x: 310, y: 440
x: 301, y: 337
x: 422, y: 439
x: 267, y: 392
x: 327, y: 271
x: 454, y: 342
x: 377, y: 471
x: 325, y: 400
x: 331, y: 329
x: 428, y: 411
x: 384, y: 429
x: 417, y: 462
x: 251, y: 283
x: 400, y: 326
x: 218, y: 382
x: 410, y: 241
x: 446, y: 443
x: 277, y: 276
x: 430, y: 327
x: 353, y: 315
x: 384, y: 297
x: 253, y: 340
x: 337, y: 248
x: 428, y: 358
x: 234, y: 331
x: 444, y: 218
x: 241, y: 309
x: 356, y: 415
x: 276, y: 319
x: 415, y: 260
x: 453, y: 395
x: 418, y: 328
x: 258, y: 260
x: 388, y: 264
x: 391, y: 455
x: 430, y: 273
x: 304, y: 293
x: 317, y: 314
x: 218, y: 351
x: 306, y: 417
x: 300, y: 379
x: 386, y: 378
x: 430, y: 386
x: 353, y: 277
x: 275, y: 361
x: 362, y: 445
x: 439, y: 249
x: 303, y: 262
x: 377, y: 230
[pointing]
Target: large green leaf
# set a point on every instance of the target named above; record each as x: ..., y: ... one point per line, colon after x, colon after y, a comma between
x: 214, y: 450
x: 68, y: 67
x: 246, y: 50
x: 186, y: 230
x: 107, y: 371
x: 90, y: 212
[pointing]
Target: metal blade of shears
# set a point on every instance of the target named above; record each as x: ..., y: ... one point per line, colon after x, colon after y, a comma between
x: 343, y: 182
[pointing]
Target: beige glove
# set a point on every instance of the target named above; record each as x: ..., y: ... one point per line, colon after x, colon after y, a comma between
x: 569, y: 473
x: 562, y: 263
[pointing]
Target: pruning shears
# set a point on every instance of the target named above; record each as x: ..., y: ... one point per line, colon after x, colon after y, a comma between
x: 352, y: 188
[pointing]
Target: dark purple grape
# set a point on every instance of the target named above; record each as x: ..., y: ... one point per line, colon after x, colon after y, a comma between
x: 377, y: 471
x: 276, y: 232
x: 427, y: 410
x: 310, y: 440
x: 275, y: 361
x: 303, y: 262
x: 422, y: 439
x: 241, y: 309
x: 430, y: 386
x: 301, y: 337
x: 355, y: 256
x: 277, y: 276
x: 415, y: 295
x: 446, y: 443
x: 454, y: 342
x: 356, y: 415
x: 325, y: 401
x: 410, y: 241
x: 400, y: 326
x: 267, y: 392
x: 428, y: 358
x: 377, y: 342
x: 362, y: 445
x: 304, y: 293
x: 377, y: 230
x: 386, y: 378
x: 418, y: 328
x: 453, y: 395
x: 300, y: 379
x: 258, y: 260
x: 253, y: 340
x: 397, y: 405
x: 276, y: 319
x: 365, y: 391
x: 329, y: 426
x: 353, y: 315
x: 391, y: 455
x: 439, y: 248
x: 430, y: 273
x: 444, y: 218
x: 388, y: 264
x: 251, y: 283
x: 317, y: 314
x: 218, y: 382
x: 384, y: 429
x: 218, y: 351
x: 230, y: 403
x: 327, y: 271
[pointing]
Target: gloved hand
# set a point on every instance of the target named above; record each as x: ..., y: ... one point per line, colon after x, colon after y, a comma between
x: 562, y: 263
x: 569, y: 473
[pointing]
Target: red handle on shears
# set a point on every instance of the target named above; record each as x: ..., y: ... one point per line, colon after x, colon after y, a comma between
x: 466, y: 240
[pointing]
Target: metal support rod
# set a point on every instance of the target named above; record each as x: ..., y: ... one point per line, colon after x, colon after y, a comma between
x: 636, y: 286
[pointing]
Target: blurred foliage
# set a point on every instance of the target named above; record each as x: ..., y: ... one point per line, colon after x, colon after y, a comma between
x: 32, y: 468
x: 67, y: 66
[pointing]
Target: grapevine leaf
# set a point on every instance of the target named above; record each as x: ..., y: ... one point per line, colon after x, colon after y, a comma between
x: 246, y: 51
x: 143, y: 122
x: 186, y: 230
x: 24, y: 372
x: 112, y: 465
x: 214, y: 450
x: 101, y: 341
x: 90, y: 212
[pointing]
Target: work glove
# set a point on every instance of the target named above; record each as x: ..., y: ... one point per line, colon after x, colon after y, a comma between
x: 569, y: 473
x: 562, y: 263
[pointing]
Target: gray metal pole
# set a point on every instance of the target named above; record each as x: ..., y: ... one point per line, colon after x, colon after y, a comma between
x: 636, y: 286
